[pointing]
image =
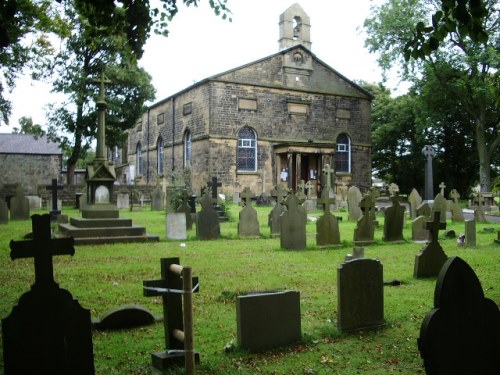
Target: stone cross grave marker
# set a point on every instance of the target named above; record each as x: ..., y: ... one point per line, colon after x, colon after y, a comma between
x: 328, y: 171
x: 479, y: 211
x: 327, y: 226
x: 460, y: 335
x: 429, y: 153
x: 394, y: 220
x: 429, y: 261
x: 442, y: 186
x: 248, y: 225
x: 415, y: 200
x: 19, y: 205
x: 54, y: 188
x: 456, y: 210
x: 309, y: 186
x: 207, y: 220
x: 393, y: 189
x: 213, y: 185
x: 365, y: 229
x: 170, y: 288
x: 293, y: 225
x: 186, y: 208
x: 47, y: 317
x: 301, y: 187
x: 360, y: 295
x: 274, y: 218
x: 374, y: 194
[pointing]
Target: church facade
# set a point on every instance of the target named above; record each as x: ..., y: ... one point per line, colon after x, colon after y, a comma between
x: 282, y: 118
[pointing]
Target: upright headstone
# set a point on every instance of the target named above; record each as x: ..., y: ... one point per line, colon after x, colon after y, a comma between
x: 274, y: 218
x: 418, y: 231
x: 207, y: 220
x: 365, y: 229
x: 343, y: 195
x: 425, y: 210
x: 479, y: 211
x: 415, y: 200
x: 122, y: 201
x: 360, y: 295
x: 293, y: 225
x: 470, y: 233
x: 47, y: 332
x: 456, y: 210
x: 309, y: 203
x: 268, y: 320
x: 19, y: 205
x: 176, y: 226
x: 248, y: 225
x: 82, y: 201
x: 4, y: 212
x: 327, y: 226
x: 353, y: 200
x: 394, y: 220
x: 440, y: 205
x: 157, y: 199
x: 429, y: 153
x: 374, y: 194
x: 301, y: 195
x: 429, y: 261
x: 461, y: 334
x: 186, y: 208
x: 54, y: 210
x: 357, y: 253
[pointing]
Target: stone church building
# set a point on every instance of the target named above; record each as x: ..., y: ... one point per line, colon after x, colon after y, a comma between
x: 278, y: 119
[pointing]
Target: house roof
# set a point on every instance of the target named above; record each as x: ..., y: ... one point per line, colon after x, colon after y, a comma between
x: 27, y: 144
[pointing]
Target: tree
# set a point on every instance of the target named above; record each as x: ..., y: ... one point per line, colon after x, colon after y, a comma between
x: 472, y: 63
x: 83, y: 57
x: 27, y: 127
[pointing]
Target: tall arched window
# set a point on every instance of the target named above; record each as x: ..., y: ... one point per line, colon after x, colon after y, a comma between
x: 343, y: 154
x: 187, y: 149
x: 247, y: 150
x: 138, y: 159
x: 159, y: 155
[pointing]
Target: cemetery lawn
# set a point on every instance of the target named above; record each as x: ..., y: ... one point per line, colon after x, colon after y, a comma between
x: 103, y: 277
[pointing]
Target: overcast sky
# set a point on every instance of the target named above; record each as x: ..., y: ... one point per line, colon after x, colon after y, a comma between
x: 200, y: 45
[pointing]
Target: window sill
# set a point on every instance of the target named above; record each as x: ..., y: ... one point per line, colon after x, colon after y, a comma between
x: 248, y: 172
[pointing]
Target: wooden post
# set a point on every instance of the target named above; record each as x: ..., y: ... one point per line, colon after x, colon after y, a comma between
x: 188, y: 320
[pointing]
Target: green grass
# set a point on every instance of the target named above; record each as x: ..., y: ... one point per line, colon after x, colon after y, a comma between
x: 106, y: 276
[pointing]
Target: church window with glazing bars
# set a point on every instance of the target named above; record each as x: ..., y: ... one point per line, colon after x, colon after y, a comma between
x: 138, y: 159
x: 343, y: 154
x: 160, y: 155
x: 247, y: 150
x: 187, y: 149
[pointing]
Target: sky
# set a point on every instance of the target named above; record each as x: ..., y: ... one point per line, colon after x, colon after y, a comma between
x: 201, y: 44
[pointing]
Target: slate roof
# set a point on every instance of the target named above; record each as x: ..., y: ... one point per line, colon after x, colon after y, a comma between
x: 28, y: 145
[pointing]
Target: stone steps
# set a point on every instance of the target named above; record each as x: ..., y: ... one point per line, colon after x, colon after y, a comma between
x: 107, y: 240
x: 100, y: 223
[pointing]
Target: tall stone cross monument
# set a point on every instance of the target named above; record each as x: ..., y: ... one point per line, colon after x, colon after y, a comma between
x: 100, y: 175
x: 428, y: 152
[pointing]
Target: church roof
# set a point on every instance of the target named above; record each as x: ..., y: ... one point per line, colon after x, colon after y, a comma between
x: 27, y: 144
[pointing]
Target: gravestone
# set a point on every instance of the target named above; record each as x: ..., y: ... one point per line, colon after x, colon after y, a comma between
x: 429, y: 261
x: 440, y: 205
x: 293, y: 225
x: 456, y: 210
x: 442, y: 186
x: 268, y: 320
x: 274, y: 218
x: 47, y: 332
x: 301, y: 195
x: 424, y: 210
x: 19, y: 205
x: 157, y: 199
x: 428, y: 152
x: 327, y: 226
x: 394, y: 220
x: 101, y: 195
x: 353, y: 200
x: 461, y: 334
x: 82, y: 201
x: 360, y: 295
x: 4, y: 212
x: 36, y: 202
x: 236, y: 198
x: 365, y: 228
x: 418, y: 231
x: 374, y: 194
x: 357, y: 253
x: 470, y: 233
x: 479, y: 210
x: 415, y: 200
x: 309, y: 204
x: 176, y: 226
x: 207, y: 220
x: 343, y: 195
x: 248, y: 225
x: 186, y: 208
x: 124, y: 317
x: 55, y: 208
x: 123, y: 201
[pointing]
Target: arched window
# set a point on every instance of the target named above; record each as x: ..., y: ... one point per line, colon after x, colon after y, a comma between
x: 343, y: 154
x: 297, y: 28
x: 247, y: 150
x: 159, y: 155
x: 138, y: 159
x: 187, y: 149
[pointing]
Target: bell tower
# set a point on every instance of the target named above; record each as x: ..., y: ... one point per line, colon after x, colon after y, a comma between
x: 295, y: 28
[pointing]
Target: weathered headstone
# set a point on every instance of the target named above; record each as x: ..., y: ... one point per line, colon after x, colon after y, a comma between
x: 176, y: 226
x: 268, y: 320
x: 19, y: 205
x: 343, y: 195
x: 470, y: 233
x: 309, y: 204
x: 124, y: 317
x: 157, y: 199
x: 274, y: 218
x: 327, y: 226
x: 415, y: 200
x: 424, y: 210
x: 394, y: 220
x: 365, y: 229
x: 429, y: 153
x: 4, y: 212
x: 207, y: 220
x: 248, y: 225
x: 82, y: 201
x: 301, y: 195
x: 47, y: 332
x: 55, y: 209
x: 440, y: 205
x: 36, y: 202
x: 293, y: 225
x: 236, y: 198
x: 418, y: 231
x: 479, y: 210
x: 374, y: 194
x: 393, y: 189
x: 353, y: 200
x: 360, y: 295
x: 461, y: 334
x: 456, y: 210
x: 429, y: 261
x: 442, y: 186
x: 123, y: 201
x: 357, y: 253
x: 186, y: 208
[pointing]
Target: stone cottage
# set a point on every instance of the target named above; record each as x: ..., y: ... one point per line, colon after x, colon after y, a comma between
x: 284, y: 117
x: 28, y: 161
